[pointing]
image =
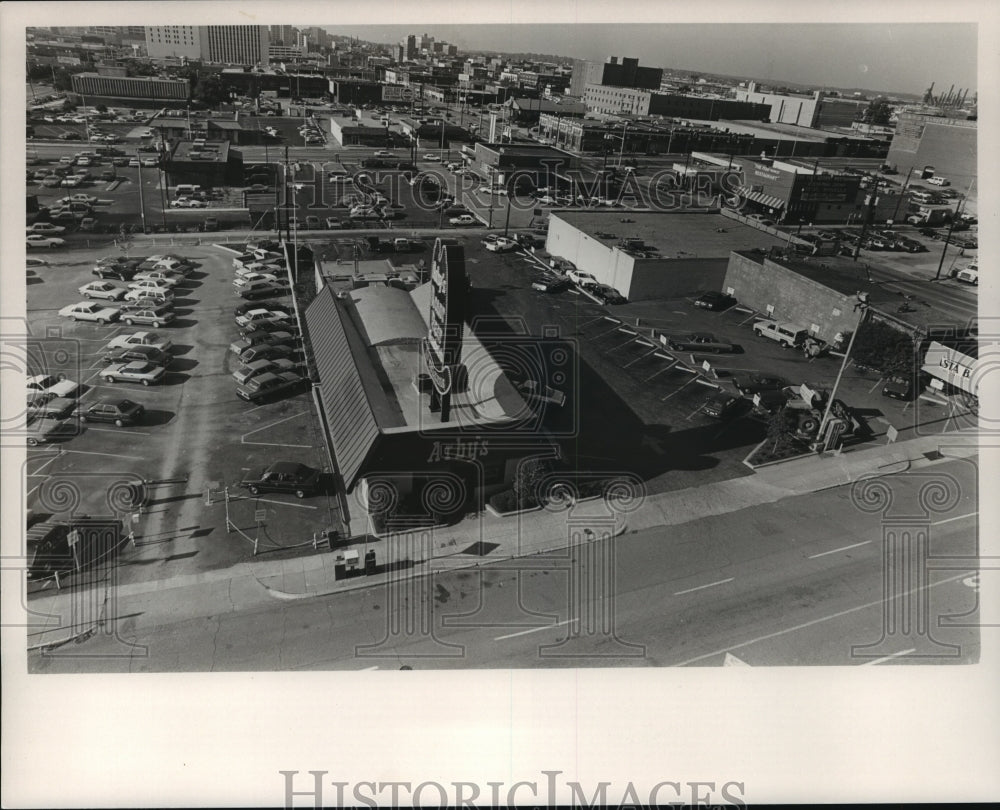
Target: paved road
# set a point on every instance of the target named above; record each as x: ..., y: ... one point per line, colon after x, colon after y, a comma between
x: 798, y: 582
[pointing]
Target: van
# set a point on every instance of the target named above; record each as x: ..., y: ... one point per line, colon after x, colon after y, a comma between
x: 787, y: 334
x: 187, y: 190
x: 938, y: 181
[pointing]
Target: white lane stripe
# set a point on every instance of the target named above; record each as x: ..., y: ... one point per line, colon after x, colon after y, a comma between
x: 887, y: 658
x: 109, y: 455
x: 702, y: 587
x: 41, y: 467
x: 368, y: 669
x: 949, y: 520
x: 118, y: 430
x: 535, y: 629
x: 810, y: 623
x: 835, y: 550
x: 268, y: 500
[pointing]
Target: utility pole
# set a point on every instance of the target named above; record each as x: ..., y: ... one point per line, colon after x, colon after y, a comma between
x: 947, y: 239
x: 843, y: 367
x: 872, y: 199
x: 288, y: 234
x: 142, y: 206
x: 506, y: 222
x: 902, y: 193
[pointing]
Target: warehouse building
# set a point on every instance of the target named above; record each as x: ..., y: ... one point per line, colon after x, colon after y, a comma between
x: 133, y: 91
x: 946, y: 146
x: 652, y: 255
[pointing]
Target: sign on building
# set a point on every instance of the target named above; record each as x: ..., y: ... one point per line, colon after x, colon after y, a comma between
x: 396, y: 93
x: 952, y: 367
x: 446, y: 319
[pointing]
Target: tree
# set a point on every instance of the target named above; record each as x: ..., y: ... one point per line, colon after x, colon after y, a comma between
x: 878, y: 112
x: 101, y: 108
x: 884, y: 347
x: 62, y: 80
x: 124, y: 240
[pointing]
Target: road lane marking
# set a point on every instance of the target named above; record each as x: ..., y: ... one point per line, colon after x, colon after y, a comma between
x: 835, y: 550
x: 109, y: 455
x: 887, y: 658
x: 536, y: 629
x: 949, y: 520
x: 233, y: 499
x: 42, y: 466
x: 118, y: 430
x: 702, y: 587
x: 812, y: 622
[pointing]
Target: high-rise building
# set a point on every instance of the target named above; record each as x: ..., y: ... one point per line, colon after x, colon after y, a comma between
x: 164, y: 41
x: 236, y: 44
x: 283, y: 34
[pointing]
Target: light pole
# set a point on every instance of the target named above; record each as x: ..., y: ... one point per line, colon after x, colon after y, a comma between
x: 621, y: 153
x: 843, y: 368
x: 142, y: 207
x: 947, y: 239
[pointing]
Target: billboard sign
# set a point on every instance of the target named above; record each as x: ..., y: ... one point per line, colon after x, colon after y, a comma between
x: 952, y: 367
x: 397, y: 93
x: 443, y: 347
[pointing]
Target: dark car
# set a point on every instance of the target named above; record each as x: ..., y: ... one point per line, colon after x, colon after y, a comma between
x: 264, y: 291
x: 755, y: 383
x: 260, y: 337
x: 148, y: 353
x: 722, y: 405
x: 285, y: 476
x: 701, y: 342
x: 608, y: 295
x: 904, y: 387
x: 289, y: 328
x: 910, y: 245
x: 715, y: 300
x: 266, y: 351
x: 271, y: 384
x: 119, y: 412
x: 122, y: 272
x: 933, y: 234
x: 550, y: 284
x: 271, y: 306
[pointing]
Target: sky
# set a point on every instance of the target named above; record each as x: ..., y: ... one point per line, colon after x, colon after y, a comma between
x: 900, y: 57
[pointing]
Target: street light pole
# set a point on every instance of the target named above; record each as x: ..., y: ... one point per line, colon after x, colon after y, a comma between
x: 142, y: 206
x: 947, y: 239
x: 843, y: 368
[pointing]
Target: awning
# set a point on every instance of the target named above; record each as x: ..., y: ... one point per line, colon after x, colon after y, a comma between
x: 763, y: 199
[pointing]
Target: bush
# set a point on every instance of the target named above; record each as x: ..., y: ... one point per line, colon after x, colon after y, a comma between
x: 505, y: 501
x: 881, y: 346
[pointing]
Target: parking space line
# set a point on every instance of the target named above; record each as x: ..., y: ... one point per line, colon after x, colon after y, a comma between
x: 272, y: 424
x: 835, y: 550
x: 535, y: 629
x: 702, y: 587
x: 268, y: 500
x: 41, y: 467
x: 118, y: 430
x: 109, y: 455
x: 949, y: 520
x: 886, y: 658
x: 674, y: 393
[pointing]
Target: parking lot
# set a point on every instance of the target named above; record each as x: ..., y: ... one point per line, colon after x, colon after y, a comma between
x: 195, y: 435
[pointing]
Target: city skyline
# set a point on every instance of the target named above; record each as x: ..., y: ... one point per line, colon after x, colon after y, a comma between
x: 899, y: 57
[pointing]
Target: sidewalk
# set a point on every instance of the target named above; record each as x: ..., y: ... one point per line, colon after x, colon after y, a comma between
x: 485, y: 539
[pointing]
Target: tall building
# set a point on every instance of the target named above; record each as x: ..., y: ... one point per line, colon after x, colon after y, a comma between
x: 623, y: 72
x: 282, y: 34
x: 164, y: 41
x: 236, y: 44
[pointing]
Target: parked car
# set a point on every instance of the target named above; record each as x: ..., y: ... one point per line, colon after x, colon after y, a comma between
x: 188, y: 202
x: 241, y: 282
x: 45, y: 228
x: 263, y: 289
x: 255, y: 317
x: 284, y: 476
x: 145, y: 296
x: 38, y: 240
x: 608, y: 295
x: 48, y: 405
x: 585, y: 280
x: 786, y: 334
x: 754, y: 383
x: 267, y: 351
x: 165, y: 278
x: 42, y: 431
x: 150, y: 286
x: 248, y: 371
x: 904, y: 386
x: 715, y: 301
x: 259, y: 337
x: 51, y: 384
x: 271, y: 384
x: 140, y: 371
x: 127, y: 341
x: 150, y: 354
x: 550, y: 284
x: 149, y: 315
x: 464, y: 219
x: 90, y: 311
x: 722, y: 405
x: 102, y: 289
x: 701, y: 342
x: 271, y: 306
x: 119, y: 412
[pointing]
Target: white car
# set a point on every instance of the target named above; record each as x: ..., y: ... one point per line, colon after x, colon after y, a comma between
x: 258, y: 267
x: 501, y: 244
x: 581, y: 278
x: 45, y: 228
x: 139, y: 371
x: 258, y: 316
x: 36, y: 240
x: 102, y: 289
x: 150, y: 162
x: 150, y: 286
x: 166, y: 278
x: 384, y: 153
x: 151, y: 339
x: 464, y: 219
x: 90, y: 311
x: 80, y: 198
x: 241, y: 282
x: 432, y: 158
x: 545, y: 199
x: 186, y: 202
x: 50, y: 384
